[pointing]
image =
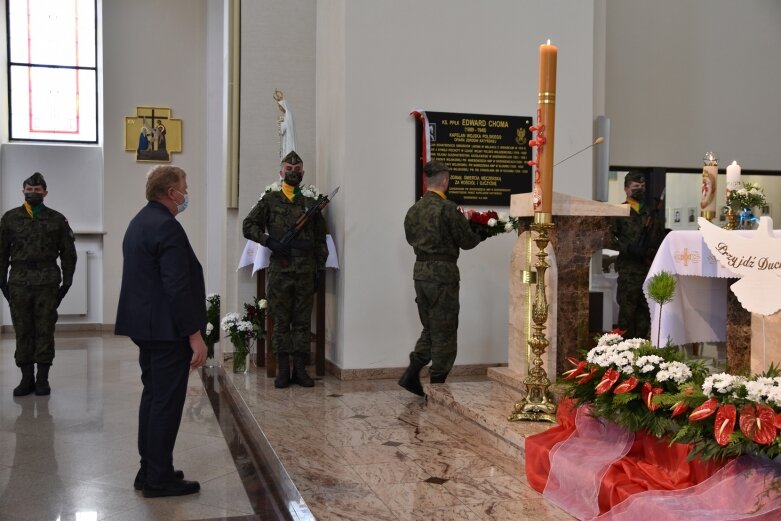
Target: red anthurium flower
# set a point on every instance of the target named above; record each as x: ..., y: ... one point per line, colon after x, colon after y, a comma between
x: 758, y: 423
x: 679, y: 408
x: 648, y: 394
x: 588, y: 376
x: 724, y: 424
x: 574, y: 373
x: 777, y: 422
x: 704, y: 410
x: 627, y: 385
x: 609, y: 379
x: 617, y: 331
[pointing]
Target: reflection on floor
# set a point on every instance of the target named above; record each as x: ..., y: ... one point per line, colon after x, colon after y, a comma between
x: 72, y: 455
x: 368, y: 450
x: 363, y: 450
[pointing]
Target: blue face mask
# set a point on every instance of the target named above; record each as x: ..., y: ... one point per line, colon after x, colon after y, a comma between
x: 183, y: 206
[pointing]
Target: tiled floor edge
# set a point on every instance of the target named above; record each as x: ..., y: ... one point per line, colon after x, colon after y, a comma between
x: 287, y: 500
x: 383, y: 373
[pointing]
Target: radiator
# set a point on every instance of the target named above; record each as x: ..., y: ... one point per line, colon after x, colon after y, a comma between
x: 76, y: 301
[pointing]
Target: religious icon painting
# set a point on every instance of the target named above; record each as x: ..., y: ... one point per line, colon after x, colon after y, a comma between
x: 153, y: 134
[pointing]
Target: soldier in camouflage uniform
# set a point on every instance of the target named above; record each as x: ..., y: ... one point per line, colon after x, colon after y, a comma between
x: 32, y: 237
x: 295, y: 269
x: 437, y: 232
x: 636, y: 238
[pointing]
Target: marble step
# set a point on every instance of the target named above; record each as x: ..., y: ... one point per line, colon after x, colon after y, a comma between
x: 482, y: 408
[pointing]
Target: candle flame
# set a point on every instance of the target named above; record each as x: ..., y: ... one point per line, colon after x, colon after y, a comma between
x: 548, y: 41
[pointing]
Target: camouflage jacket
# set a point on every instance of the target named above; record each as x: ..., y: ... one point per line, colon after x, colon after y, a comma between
x: 631, y: 231
x: 31, y: 247
x: 437, y: 232
x: 273, y: 215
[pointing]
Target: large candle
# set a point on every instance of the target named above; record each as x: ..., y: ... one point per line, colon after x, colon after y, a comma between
x: 733, y: 177
x: 546, y: 118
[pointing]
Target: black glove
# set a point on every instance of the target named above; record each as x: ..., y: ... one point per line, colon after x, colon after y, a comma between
x: 63, y: 291
x: 277, y: 247
x: 4, y: 289
x: 319, y: 276
x: 302, y: 244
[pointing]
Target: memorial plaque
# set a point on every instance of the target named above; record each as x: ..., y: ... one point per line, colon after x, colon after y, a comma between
x: 487, y: 155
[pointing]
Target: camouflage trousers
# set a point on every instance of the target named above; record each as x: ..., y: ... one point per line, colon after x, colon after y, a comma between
x: 633, y: 314
x: 438, y: 309
x: 34, y: 314
x: 290, y: 298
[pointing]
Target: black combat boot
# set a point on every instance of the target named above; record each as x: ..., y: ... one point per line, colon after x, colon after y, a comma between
x: 439, y: 379
x: 283, y: 371
x: 410, y: 380
x: 299, y: 372
x: 42, y: 380
x: 27, y: 385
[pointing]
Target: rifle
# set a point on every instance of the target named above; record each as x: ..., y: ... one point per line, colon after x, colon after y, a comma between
x: 302, y: 221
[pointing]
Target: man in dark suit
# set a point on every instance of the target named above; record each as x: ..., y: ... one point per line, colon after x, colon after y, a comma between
x: 162, y: 308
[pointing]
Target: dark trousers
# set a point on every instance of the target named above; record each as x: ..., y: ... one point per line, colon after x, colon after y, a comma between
x: 165, y: 367
x: 290, y: 301
x: 634, y: 316
x: 438, y: 309
x: 34, y: 314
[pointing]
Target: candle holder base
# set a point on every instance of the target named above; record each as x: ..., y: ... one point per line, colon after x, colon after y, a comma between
x: 732, y: 220
x: 708, y: 214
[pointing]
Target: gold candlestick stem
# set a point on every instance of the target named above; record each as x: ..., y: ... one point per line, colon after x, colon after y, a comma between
x: 538, y: 405
x: 732, y: 219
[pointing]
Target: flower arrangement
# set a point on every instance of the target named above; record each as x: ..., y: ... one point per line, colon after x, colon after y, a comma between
x: 241, y: 332
x: 306, y: 190
x: 212, y: 335
x: 640, y: 387
x: 490, y: 223
x: 749, y: 195
x: 255, y: 313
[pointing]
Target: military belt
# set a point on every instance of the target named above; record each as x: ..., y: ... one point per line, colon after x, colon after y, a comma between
x: 35, y: 265
x: 441, y: 258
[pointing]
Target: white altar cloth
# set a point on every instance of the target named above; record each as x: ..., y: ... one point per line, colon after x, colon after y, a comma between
x: 698, y: 312
x: 258, y: 256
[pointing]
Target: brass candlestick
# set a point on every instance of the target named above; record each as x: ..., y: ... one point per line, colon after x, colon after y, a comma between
x: 732, y: 219
x: 538, y: 405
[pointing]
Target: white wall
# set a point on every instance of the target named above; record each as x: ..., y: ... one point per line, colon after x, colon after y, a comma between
x: 155, y: 53
x: 687, y: 77
x: 441, y: 55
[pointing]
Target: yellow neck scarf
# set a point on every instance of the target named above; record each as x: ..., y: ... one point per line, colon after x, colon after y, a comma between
x: 441, y: 194
x: 289, y: 191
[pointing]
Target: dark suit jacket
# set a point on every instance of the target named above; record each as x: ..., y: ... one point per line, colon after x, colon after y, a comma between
x: 163, y: 296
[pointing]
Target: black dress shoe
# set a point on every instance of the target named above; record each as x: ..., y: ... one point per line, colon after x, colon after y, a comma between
x: 138, y: 483
x: 178, y: 487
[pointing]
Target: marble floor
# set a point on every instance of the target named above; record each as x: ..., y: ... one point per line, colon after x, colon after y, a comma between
x: 369, y: 450
x: 72, y: 456
x: 361, y: 450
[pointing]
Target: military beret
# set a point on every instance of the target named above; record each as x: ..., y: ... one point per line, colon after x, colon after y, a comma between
x: 35, y: 180
x: 292, y: 158
x: 434, y: 167
x: 634, y: 175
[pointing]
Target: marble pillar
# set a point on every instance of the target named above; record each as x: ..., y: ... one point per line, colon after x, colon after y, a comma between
x: 582, y: 227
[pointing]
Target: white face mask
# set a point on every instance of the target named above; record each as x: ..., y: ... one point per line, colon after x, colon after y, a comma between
x: 183, y: 206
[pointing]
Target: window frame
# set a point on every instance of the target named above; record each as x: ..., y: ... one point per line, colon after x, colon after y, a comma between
x: 77, y: 68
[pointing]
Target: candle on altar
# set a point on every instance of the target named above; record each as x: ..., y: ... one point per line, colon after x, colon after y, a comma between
x: 733, y: 177
x: 546, y: 119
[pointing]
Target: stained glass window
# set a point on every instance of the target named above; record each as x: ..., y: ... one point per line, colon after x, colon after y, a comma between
x: 52, y: 70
